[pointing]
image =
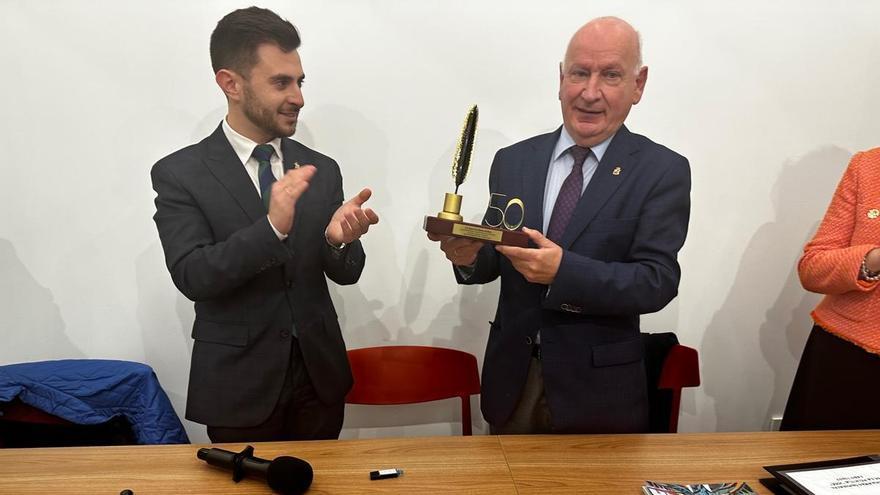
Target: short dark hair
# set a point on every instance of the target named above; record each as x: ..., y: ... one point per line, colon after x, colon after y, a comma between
x: 237, y: 36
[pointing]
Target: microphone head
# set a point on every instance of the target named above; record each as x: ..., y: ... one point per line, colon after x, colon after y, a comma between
x: 289, y: 475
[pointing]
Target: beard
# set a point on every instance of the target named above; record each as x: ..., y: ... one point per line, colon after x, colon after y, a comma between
x: 264, y: 117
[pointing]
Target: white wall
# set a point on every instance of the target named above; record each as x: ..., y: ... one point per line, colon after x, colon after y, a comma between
x: 767, y: 100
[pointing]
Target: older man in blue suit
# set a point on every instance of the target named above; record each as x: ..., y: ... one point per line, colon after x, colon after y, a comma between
x: 607, y: 212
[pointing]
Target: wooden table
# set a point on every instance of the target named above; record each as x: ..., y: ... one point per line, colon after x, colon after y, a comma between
x: 431, y: 465
x: 608, y: 464
x: 620, y: 464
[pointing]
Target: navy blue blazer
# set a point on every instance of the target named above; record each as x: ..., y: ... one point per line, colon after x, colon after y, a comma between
x: 249, y: 288
x: 619, y: 261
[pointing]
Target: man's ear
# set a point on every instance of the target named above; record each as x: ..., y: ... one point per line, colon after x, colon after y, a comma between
x: 641, y: 80
x: 561, y: 76
x: 230, y: 83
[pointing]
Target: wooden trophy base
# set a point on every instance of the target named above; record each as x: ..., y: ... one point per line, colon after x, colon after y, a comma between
x: 476, y: 232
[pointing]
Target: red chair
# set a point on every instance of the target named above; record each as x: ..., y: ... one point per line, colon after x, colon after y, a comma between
x: 24, y: 426
x: 16, y: 414
x: 412, y: 374
x: 18, y: 411
x: 681, y: 368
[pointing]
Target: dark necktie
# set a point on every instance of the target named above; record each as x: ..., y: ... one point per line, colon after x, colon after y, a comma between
x: 569, y: 194
x: 263, y: 153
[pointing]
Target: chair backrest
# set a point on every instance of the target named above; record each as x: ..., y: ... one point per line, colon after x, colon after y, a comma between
x: 16, y: 410
x: 411, y: 374
x: 24, y: 426
x: 670, y: 367
x: 680, y: 369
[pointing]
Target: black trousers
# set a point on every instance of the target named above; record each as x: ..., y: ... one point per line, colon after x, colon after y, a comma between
x: 299, y: 414
x: 835, y: 387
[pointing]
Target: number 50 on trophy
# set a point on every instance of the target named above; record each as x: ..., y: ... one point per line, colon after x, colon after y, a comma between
x: 504, y: 216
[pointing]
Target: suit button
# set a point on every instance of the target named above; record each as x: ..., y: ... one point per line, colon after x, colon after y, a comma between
x: 285, y: 334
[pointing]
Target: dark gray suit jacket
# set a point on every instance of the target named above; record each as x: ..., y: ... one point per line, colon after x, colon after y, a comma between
x: 619, y: 261
x: 249, y: 288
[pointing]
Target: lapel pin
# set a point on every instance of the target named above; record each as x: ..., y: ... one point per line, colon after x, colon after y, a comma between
x: 616, y: 171
x: 296, y: 165
x: 873, y: 213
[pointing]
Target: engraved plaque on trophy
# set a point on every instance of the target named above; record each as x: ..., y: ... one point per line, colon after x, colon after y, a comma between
x: 502, y: 220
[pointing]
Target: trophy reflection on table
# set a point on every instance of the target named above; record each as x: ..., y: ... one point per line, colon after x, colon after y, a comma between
x: 500, y: 225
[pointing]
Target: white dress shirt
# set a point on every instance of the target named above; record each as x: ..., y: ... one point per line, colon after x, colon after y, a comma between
x: 561, y: 164
x: 244, y: 147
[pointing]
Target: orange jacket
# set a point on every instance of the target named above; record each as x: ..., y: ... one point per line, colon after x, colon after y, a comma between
x: 832, y: 259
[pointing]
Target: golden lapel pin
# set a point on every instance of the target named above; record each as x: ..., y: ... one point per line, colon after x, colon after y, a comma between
x: 616, y: 171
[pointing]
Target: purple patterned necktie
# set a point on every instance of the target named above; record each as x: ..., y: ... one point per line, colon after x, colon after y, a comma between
x: 569, y: 194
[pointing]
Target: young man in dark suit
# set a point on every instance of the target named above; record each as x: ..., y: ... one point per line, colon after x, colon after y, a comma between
x: 251, y: 222
x: 564, y: 352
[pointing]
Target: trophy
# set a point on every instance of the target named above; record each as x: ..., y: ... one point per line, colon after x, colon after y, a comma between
x: 500, y: 225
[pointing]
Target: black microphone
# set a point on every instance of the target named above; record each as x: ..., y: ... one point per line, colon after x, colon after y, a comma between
x: 285, y: 475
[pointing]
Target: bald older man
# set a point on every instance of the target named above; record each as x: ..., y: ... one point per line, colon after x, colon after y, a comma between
x: 607, y: 211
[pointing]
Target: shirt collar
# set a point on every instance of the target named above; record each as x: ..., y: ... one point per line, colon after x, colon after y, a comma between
x: 565, y: 142
x: 244, y: 146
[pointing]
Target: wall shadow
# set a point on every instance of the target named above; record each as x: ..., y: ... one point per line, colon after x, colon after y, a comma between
x: 748, y: 324
x: 361, y: 149
x: 31, y: 321
x: 461, y: 323
x: 165, y: 318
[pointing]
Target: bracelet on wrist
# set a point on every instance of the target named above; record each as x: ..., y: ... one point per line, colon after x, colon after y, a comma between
x: 866, y: 274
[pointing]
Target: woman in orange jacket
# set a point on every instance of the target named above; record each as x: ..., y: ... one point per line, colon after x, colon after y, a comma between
x: 838, y: 378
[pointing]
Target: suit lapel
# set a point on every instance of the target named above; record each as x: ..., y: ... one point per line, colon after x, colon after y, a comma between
x: 226, y: 167
x: 289, y: 152
x: 604, y: 183
x: 290, y: 157
x: 534, y: 174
